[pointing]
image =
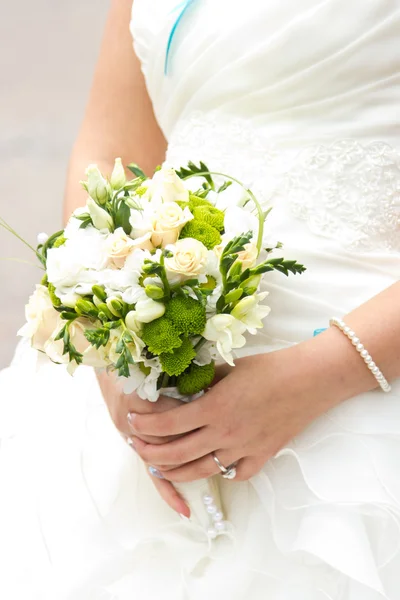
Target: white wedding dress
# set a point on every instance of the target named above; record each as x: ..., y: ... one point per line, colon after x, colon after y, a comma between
x: 301, y: 99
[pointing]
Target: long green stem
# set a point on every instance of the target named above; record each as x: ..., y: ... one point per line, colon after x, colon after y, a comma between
x: 8, y: 228
x: 25, y: 262
x: 249, y: 192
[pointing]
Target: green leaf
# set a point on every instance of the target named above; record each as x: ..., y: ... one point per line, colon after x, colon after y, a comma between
x: 136, y: 170
x: 193, y: 169
x: 122, y: 218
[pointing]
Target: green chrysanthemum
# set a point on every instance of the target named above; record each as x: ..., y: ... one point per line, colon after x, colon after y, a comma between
x: 187, y: 314
x: 161, y: 336
x: 195, y: 201
x: 203, y: 232
x: 211, y: 215
x: 174, y: 363
x: 196, y: 379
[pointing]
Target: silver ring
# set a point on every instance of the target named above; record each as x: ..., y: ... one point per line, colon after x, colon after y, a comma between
x: 227, y: 472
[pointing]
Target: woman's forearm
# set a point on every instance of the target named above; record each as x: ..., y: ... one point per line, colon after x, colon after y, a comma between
x: 119, y: 120
x: 332, y: 360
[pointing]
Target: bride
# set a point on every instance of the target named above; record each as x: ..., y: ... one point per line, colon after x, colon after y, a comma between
x: 301, y: 100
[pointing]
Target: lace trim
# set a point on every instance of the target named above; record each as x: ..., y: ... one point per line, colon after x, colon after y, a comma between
x: 347, y: 191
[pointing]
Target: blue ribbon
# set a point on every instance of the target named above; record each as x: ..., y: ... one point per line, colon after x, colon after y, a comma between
x: 184, y: 5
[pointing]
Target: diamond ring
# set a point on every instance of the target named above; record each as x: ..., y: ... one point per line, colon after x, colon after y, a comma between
x: 227, y: 472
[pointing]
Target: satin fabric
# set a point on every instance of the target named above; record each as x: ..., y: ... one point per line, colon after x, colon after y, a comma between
x: 300, y: 99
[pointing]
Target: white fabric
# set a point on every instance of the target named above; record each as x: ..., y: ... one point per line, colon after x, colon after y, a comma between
x: 301, y: 99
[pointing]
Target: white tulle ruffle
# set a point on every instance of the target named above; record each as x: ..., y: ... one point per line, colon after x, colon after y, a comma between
x: 80, y: 519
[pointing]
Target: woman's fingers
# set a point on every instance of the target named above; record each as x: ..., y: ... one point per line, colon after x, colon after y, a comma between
x: 202, y: 468
x: 169, y: 494
x: 183, y: 450
x: 181, y: 419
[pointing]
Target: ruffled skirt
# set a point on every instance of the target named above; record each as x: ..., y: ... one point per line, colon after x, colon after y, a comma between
x: 81, y: 520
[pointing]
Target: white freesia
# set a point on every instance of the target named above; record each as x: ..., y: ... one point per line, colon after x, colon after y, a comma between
x: 147, y: 310
x: 250, y: 312
x: 132, y: 322
x: 100, y: 217
x: 118, y: 177
x: 125, y: 281
x: 41, y: 318
x: 141, y: 220
x: 135, y: 347
x: 238, y: 221
x: 74, y: 267
x: 91, y: 356
x: 166, y: 186
x: 226, y: 332
x: 234, y: 195
x: 168, y: 222
x: 189, y: 259
x: 143, y: 378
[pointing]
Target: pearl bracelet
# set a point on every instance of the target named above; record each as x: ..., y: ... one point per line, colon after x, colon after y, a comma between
x: 376, y: 372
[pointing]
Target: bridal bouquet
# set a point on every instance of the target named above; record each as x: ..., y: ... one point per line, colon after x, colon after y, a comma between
x: 154, y: 279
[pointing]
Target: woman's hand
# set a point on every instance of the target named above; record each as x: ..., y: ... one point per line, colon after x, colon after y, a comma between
x: 119, y: 406
x: 252, y: 413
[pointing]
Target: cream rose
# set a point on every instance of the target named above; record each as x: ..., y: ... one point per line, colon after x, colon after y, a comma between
x: 248, y: 256
x: 41, y: 318
x: 189, y: 258
x: 92, y: 356
x: 168, y: 222
x: 166, y: 186
x: 118, y: 246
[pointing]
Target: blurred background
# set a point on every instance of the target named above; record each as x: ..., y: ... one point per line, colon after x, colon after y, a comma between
x: 49, y: 49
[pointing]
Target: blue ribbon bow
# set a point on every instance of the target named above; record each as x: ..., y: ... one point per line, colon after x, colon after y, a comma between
x: 184, y: 7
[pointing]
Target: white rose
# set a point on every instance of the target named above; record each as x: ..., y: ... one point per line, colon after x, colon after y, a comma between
x: 166, y: 186
x: 92, y: 357
x: 248, y: 256
x: 189, y: 258
x: 147, y: 310
x: 118, y: 245
x: 168, y: 222
x: 100, y: 217
x: 251, y: 313
x: 41, y: 318
x: 226, y: 332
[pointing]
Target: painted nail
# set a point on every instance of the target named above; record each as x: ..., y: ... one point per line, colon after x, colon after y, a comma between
x: 186, y: 519
x: 156, y: 473
x: 131, y: 444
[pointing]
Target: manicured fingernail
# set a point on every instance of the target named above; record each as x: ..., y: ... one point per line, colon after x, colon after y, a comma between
x: 156, y: 473
x: 186, y: 519
x: 131, y: 444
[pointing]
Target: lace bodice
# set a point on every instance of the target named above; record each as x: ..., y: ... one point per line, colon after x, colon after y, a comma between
x: 346, y: 190
x: 299, y: 98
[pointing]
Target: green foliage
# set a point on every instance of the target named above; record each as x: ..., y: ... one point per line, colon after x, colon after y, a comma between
x: 211, y: 215
x: 279, y: 264
x: 196, y: 379
x: 202, y: 232
x: 98, y: 337
x: 121, y: 217
x: 174, y: 363
x: 100, y: 292
x: 69, y: 348
x: 187, y: 315
x: 161, y: 336
x: 136, y: 170
x: 192, y: 170
x: 52, y: 293
x: 125, y: 356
